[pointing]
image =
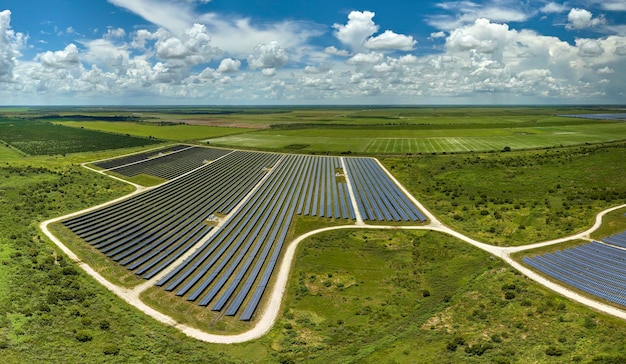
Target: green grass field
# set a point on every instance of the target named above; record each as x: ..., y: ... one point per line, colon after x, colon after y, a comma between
x: 165, y: 132
x: 400, y: 140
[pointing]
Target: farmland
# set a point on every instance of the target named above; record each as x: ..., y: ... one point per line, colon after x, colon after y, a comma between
x: 353, y: 295
x: 176, y: 132
x: 402, y: 140
x: 42, y: 138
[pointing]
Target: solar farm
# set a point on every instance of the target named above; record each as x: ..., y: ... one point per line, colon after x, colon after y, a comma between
x: 229, y: 212
x: 275, y: 232
x: 597, y: 268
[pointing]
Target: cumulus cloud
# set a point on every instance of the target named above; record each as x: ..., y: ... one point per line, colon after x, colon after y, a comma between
x: 358, y: 34
x: 269, y: 72
x: 229, y: 65
x: 366, y: 58
x: 589, y: 47
x: 582, y: 19
x: 267, y: 56
x: 483, y: 36
x: 114, y: 33
x: 359, y: 27
x: 10, y: 43
x: 439, y: 34
x: 60, y: 59
x: 193, y: 46
x: 390, y: 41
x: 332, y: 50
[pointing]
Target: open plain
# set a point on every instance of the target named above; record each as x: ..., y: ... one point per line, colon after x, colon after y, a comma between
x: 393, y: 190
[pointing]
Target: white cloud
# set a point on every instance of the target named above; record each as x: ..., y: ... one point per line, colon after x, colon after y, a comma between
x: 113, y: 33
x: 332, y: 50
x: 482, y: 61
x: 229, y: 65
x: 358, y: 35
x: 10, y: 43
x: 60, y: 59
x: 482, y: 36
x: 174, y: 17
x: 589, y: 47
x: 269, y: 55
x: 553, y: 7
x: 606, y: 71
x: 360, y: 26
x: 439, y: 34
x: 466, y: 12
x: 582, y: 19
x: 390, y: 41
x: 269, y: 72
x: 611, y: 5
x: 366, y: 58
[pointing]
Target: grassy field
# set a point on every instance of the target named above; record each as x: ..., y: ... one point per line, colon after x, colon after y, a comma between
x: 163, y: 132
x: 401, y: 297
x: 354, y: 296
x: 402, y: 140
x: 517, y: 198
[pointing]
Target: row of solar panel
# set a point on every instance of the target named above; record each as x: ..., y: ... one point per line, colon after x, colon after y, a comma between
x: 134, y: 158
x: 148, y: 232
x: 595, y: 268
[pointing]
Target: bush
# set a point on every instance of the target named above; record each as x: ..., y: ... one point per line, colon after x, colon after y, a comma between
x: 554, y: 351
x: 477, y: 349
x: 111, y: 349
x: 84, y: 336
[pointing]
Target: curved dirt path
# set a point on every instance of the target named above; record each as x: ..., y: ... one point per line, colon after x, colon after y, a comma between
x: 271, y: 309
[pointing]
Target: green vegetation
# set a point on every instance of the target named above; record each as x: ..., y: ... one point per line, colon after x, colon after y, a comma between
x: 176, y: 132
x: 407, y: 297
x: 354, y: 295
x: 612, y: 223
x: 462, y: 137
x: 42, y: 138
x: 516, y: 198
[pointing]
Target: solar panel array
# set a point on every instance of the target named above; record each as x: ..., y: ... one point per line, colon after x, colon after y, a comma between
x: 149, y: 231
x: 325, y: 192
x: 596, y: 268
x: 377, y: 196
x: 233, y: 265
x: 118, y: 162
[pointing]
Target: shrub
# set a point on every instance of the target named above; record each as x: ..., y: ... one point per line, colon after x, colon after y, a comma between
x: 84, y: 336
x: 554, y: 351
x: 477, y: 349
x: 111, y: 349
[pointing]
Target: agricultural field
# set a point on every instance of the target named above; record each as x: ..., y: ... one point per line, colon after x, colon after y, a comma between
x: 42, y: 138
x: 403, y: 140
x: 176, y: 132
x: 353, y: 295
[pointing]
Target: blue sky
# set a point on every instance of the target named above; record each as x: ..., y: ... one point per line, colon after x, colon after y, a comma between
x: 272, y: 52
